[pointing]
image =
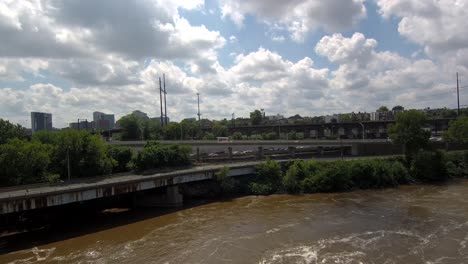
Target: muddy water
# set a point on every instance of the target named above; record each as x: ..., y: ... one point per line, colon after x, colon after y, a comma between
x: 411, y: 224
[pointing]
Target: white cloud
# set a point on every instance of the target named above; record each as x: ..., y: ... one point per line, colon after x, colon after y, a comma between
x: 441, y: 27
x: 298, y: 16
x: 278, y: 38
x: 232, y: 39
x: 344, y: 50
x: 13, y: 69
x: 84, y: 28
x: 366, y: 78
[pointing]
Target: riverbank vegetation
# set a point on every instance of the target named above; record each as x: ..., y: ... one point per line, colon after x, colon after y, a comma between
x: 312, y: 176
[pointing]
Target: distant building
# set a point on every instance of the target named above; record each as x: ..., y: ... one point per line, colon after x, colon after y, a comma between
x: 83, y: 125
x: 103, y: 121
x: 166, y: 119
x: 140, y: 114
x: 40, y: 121
x: 382, y: 116
x: 190, y: 119
x: 274, y: 117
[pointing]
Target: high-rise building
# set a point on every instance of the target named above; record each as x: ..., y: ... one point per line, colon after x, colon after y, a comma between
x: 40, y: 121
x: 103, y: 121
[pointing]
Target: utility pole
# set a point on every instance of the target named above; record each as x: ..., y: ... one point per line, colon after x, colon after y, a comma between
x: 233, y: 120
x: 458, y: 98
x: 68, y: 163
x: 165, y: 106
x: 198, y: 95
x: 160, y: 102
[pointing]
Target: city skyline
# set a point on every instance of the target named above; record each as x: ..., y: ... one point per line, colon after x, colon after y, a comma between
x: 304, y: 57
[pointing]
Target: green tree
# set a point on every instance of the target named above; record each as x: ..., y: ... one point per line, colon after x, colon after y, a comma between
x: 268, y: 178
x: 458, y: 130
x: 383, y: 108
x: 346, y: 117
x: 155, y: 155
x: 131, y: 127
x: 408, y: 131
x: 23, y: 162
x: 237, y: 135
x: 88, y: 153
x: 220, y: 130
x: 122, y: 156
x: 8, y: 131
x: 256, y: 117
x: 172, y: 131
x: 398, y: 108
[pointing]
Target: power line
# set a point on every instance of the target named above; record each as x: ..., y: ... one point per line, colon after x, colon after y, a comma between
x: 165, y: 105
x: 198, y: 96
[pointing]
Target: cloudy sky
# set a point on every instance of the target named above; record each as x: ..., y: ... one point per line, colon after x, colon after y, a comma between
x: 310, y: 57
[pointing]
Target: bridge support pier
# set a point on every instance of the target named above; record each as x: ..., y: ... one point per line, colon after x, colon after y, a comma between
x: 260, y: 153
x: 171, y: 198
x: 230, y: 152
x: 292, y: 152
x: 354, y: 150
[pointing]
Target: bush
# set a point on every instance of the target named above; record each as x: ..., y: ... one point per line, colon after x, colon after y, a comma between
x: 227, y: 184
x: 336, y: 177
x: 237, y: 136
x: 429, y: 166
x: 400, y: 172
x: 53, y: 178
x: 269, y: 136
x: 363, y: 174
x: 268, y: 178
x: 457, y: 163
x: 209, y: 136
x: 261, y: 188
x: 155, y: 155
x: 291, y: 182
x: 122, y: 157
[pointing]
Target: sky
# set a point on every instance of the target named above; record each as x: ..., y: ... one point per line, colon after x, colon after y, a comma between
x: 308, y: 57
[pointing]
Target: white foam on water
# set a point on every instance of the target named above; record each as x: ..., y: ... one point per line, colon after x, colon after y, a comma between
x: 352, y: 248
x: 301, y: 254
x: 42, y: 254
x: 93, y: 254
x: 274, y: 230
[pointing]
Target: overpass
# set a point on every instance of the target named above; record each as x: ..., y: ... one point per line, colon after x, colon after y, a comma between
x: 354, y: 147
x: 348, y: 130
x: 24, y: 198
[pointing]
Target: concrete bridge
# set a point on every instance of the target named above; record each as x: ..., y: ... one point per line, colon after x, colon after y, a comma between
x: 352, y: 147
x: 24, y: 198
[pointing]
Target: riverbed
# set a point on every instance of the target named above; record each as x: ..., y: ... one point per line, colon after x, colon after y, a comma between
x: 409, y: 224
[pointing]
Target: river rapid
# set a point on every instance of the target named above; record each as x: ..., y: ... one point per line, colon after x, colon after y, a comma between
x: 409, y: 224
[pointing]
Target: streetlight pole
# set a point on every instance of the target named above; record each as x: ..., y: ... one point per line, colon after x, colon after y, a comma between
x: 68, y: 163
x: 363, y: 131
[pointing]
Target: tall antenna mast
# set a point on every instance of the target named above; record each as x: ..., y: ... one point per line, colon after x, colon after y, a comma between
x: 160, y: 101
x: 165, y: 106
x: 458, y: 98
x: 198, y: 96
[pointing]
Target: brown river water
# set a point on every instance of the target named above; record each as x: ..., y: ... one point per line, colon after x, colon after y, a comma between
x: 409, y: 224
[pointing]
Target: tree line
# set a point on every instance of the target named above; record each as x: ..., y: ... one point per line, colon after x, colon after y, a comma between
x: 69, y: 154
x: 137, y: 128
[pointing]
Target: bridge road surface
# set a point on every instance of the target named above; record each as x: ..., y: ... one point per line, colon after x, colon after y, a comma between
x: 209, y: 146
